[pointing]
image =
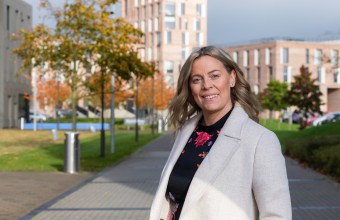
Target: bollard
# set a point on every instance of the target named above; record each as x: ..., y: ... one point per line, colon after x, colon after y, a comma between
x: 72, y: 152
x: 22, y: 123
x: 54, y: 134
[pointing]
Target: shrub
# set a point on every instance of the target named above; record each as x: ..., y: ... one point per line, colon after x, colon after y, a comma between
x: 320, y: 152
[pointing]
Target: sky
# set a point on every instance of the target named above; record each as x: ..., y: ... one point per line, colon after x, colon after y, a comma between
x: 237, y: 21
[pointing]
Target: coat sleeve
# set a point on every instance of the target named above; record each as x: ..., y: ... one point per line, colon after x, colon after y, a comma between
x: 270, y: 183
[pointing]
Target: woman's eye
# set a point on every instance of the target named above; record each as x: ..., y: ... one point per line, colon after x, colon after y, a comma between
x: 214, y: 76
x: 196, y: 80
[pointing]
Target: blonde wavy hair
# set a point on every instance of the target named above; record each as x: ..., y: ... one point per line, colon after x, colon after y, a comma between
x: 183, y: 105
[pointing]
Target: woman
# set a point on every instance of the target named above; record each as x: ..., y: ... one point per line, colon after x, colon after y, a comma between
x: 223, y: 164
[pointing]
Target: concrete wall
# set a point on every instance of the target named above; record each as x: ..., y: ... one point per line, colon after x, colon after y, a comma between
x: 14, y: 15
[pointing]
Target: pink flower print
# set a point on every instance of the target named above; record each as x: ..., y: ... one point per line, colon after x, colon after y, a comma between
x: 190, y: 140
x: 218, y: 132
x: 183, y: 152
x: 202, y: 138
x: 209, y: 143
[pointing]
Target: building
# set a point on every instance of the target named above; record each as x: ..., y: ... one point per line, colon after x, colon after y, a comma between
x: 172, y: 29
x: 281, y: 60
x: 14, y: 15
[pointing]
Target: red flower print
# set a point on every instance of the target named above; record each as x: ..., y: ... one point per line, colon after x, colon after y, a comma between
x: 202, y: 138
x: 183, y: 151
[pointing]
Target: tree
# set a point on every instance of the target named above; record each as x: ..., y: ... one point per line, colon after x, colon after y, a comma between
x: 274, y: 97
x: 122, y: 90
x: 161, y: 95
x: 87, y: 35
x: 51, y: 92
x: 304, y: 94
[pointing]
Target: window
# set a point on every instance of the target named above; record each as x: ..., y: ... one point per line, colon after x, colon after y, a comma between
x: 142, y: 54
x: 318, y: 57
x: 285, y: 74
x: 150, y: 54
x: 170, y: 9
x: 245, y: 58
x: 199, y: 39
x: 259, y: 75
x: 151, y: 8
x: 336, y: 75
x: 170, y: 15
x: 335, y: 57
x: 284, y: 55
x: 180, y: 23
x: 199, y: 10
x: 186, y: 24
x: 126, y: 8
x: 8, y: 17
x: 158, y: 38
x: 185, y: 38
x: 321, y: 75
x: 235, y: 57
x: 268, y: 56
x: 159, y: 8
x: 136, y: 3
x: 197, y: 25
x: 185, y: 53
x: 256, y: 57
x: 169, y: 67
x: 307, y: 56
x: 168, y: 37
x: 183, y: 8
x: 271, y: 73
x: 142, y: 26
x: 248, y: 74
x: 156, y: 24
x: 143, y: 2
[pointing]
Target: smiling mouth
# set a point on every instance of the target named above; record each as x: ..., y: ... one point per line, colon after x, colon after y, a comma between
x: 209, y: 97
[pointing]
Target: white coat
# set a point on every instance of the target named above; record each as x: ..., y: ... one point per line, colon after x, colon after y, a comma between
x: 242, y: 178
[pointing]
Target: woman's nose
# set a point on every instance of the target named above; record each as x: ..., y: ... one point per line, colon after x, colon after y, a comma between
x: 207, y: 83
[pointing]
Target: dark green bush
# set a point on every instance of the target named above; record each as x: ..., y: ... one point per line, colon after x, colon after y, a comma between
x: 319, y: 152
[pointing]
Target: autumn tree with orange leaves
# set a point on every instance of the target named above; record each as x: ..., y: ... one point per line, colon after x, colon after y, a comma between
x: 162, y: 93
x: 86, y: 34
x: 123, y: 91
x: 51, y: 92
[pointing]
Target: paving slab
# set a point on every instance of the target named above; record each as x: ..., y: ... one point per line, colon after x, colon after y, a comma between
x: 125, y: 190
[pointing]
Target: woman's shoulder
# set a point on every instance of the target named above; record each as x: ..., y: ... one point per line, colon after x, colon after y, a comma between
x: 255, y: 128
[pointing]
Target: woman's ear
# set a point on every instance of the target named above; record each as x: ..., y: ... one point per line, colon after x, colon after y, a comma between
x: 232, y: 78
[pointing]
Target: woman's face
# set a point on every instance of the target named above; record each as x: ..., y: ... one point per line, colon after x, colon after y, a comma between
x: 210, y: 85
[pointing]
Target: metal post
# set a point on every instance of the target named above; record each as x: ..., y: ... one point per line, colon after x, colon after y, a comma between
x: 153, y: 103
x: 57, y: 113
x: 112, y: 114
x: 34, y: 82
x: 102, y: 131
x: 136, y: 127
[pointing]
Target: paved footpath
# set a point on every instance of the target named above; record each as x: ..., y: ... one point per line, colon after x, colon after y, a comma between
x: 125, y: 191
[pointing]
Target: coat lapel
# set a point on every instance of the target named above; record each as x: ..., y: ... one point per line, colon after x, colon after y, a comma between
x: 218, y: 158
x: 178, y: 146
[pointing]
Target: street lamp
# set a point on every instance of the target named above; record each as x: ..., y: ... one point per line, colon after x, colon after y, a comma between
x: 136, y: 126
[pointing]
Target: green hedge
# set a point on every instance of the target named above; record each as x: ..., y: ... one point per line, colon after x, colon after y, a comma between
x: 319, y: 152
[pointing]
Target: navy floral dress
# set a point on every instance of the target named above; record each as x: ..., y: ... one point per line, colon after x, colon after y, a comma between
x: 194, y: 152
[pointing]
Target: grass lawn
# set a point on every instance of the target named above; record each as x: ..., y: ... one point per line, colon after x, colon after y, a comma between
x: 37, y: 151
